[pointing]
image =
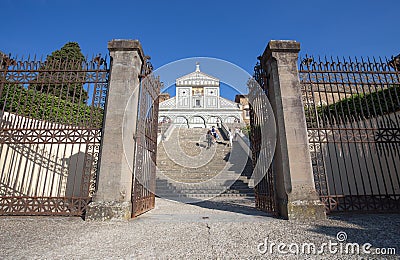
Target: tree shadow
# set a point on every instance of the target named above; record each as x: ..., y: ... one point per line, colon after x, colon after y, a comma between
x: 76, y: 167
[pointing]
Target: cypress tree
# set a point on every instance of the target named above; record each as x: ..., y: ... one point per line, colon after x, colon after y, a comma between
x: 62, y: 74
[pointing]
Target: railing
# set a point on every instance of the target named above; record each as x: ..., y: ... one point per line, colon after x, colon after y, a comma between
x: 352, y: 108
x: 264, y: 175
x: 50, y: 132
x: 164, y: 131
x: 143, y: 189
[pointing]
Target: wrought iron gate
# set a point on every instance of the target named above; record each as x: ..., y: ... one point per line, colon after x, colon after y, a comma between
x: 353, y: 117
x: 51, y: 116
x: 265, y: 188
x: 143, y: 193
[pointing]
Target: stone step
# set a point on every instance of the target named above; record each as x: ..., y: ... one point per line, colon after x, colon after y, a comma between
x: 211, y: 181
x: 185, y: 182
x: 209, y: 193
x: 203, y: 191
x: 201, y: 198
x: 200, y: 172
x: 200, y: 186
x: 197, y: 185
x: 205, y: 181
x: 169, y: 193
x: 189, y: 187
x: 203, y: 188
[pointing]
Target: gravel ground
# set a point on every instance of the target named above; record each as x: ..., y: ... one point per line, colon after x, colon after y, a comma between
x: 210, y: 230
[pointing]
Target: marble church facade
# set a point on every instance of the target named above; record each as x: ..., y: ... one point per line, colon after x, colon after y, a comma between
x: 198, y: 103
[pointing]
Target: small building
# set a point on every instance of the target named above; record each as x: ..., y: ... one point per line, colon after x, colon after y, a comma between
x: 243, y: 102
x: 163, y: 96
x: 198, y: 103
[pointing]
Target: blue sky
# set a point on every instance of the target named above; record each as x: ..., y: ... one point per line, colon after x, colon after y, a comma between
x: 236, y: 31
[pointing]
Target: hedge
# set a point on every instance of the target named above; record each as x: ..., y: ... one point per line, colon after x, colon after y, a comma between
x: 34, y: 104
x: 357, y: 107
x: 369, y: 105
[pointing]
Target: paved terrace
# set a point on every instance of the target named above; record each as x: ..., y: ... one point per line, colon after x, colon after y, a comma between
x: 215, y: 229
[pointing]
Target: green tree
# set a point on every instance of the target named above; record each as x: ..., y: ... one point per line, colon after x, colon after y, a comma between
x: 62, y: 74
x: 3, y: 58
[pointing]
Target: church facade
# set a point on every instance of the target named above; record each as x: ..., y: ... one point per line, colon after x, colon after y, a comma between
x: 198, y: 103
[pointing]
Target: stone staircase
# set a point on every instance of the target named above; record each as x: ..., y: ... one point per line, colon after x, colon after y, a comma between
x: 190, y: 172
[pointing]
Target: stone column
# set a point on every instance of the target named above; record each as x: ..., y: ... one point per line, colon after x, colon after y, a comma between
x: 297, y: 198
x: 113, y: 196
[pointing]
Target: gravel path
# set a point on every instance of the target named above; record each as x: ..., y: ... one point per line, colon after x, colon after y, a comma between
x: 179, y: 231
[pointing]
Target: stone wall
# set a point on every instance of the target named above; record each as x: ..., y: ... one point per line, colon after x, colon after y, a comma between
x: 43, y: 169
x: 360, y: 168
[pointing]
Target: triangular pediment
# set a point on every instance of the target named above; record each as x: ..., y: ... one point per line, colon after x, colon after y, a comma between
x: 197, y: 78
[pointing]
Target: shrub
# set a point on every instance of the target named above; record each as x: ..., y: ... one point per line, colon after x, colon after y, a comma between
x: 34, y: 104
x: 365, y: 105
x: 357, y: 107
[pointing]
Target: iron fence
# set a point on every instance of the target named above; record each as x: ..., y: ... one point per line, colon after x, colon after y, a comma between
x: 352, y: 108
x: 264, y: 175
x: 51, y: 116
x: 143, y: 188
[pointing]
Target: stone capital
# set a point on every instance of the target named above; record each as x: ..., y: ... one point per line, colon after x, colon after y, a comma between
x: 275, y: 46
x: 126, y: 45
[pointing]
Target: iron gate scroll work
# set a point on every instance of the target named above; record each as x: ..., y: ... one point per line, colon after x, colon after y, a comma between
x: 50, y: 130
x: 353, y: 118
x: 143, y: 193
x: 265, y: 189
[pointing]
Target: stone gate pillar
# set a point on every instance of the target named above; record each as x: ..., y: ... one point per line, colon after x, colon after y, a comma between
x: 113, y: 197
x: 297, y: 198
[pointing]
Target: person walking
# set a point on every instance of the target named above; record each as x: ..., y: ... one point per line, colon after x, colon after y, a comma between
x: 209, y: 138
x: 230, y: 135
x: 237, y: 132
x: 214, y: 132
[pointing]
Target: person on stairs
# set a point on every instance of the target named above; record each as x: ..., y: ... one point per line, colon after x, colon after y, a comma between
x: 214, y: 133
x: 209, y: 138
x: 230, y: 135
